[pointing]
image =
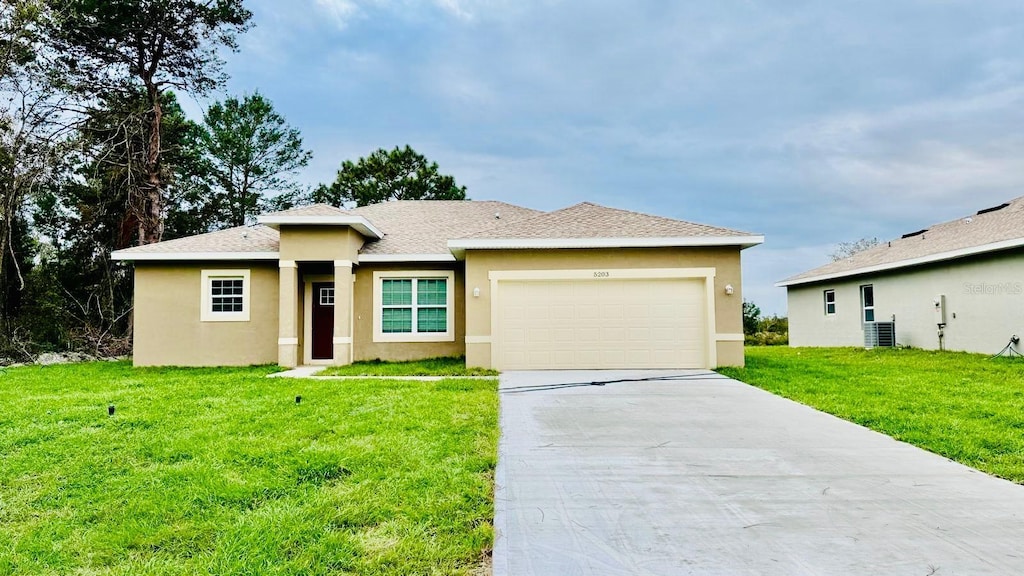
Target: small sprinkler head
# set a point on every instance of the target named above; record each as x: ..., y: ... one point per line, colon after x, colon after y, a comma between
x: 110, y: 410
x: 298, y: 399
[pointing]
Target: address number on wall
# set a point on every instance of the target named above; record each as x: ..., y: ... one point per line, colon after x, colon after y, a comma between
x: 602, y: 274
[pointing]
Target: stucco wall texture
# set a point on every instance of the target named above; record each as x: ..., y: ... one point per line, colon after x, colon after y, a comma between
x: 725, y: 260
x: 168, y: 330
x: 367, y: 349
x: 984, y: 305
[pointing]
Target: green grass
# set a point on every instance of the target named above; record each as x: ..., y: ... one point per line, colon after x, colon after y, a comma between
x: 455, y: 366
x: 966, y: 407
x: 219, y: 471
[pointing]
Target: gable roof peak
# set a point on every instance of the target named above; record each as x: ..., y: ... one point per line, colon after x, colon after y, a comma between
x: 320, y: 209
x: 587, y: 223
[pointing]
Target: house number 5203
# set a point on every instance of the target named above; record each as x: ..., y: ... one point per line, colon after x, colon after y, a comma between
x: 602, y: 274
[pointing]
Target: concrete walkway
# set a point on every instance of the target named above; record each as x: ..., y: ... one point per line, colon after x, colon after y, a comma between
x: 312, y: 373
x: 706, y: 475
x: 298, y: 372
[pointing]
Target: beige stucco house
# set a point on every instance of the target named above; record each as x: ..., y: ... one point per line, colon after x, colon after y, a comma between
x: 508, y: 287
x: 958, y: 285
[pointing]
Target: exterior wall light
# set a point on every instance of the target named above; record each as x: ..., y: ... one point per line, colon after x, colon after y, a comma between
x: 729, y: 290
x: 476, y: 292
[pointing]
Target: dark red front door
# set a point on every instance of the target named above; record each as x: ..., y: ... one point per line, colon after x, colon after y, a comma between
x: 323, y: 320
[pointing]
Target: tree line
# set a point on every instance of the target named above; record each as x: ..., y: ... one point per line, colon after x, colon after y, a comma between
x: 97, y: 154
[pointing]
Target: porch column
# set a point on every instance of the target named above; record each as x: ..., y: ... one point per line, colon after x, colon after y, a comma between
x: 288, y: 321
x: 343, y: 312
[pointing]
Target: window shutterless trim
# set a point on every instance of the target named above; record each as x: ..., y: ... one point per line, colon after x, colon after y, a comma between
x: 206, y: 312
x: 414, y: 275
x: 864, y: 306
x: 326, y: 296
x: 832, y: 302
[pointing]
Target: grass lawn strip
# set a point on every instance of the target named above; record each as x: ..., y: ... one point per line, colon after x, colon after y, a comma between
x: 219, y: 471
x: 966, y: 407
x: 454, y: 366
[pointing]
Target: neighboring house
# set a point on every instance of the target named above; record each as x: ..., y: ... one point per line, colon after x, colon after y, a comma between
x: 508, y: 287
x: 957, y: 286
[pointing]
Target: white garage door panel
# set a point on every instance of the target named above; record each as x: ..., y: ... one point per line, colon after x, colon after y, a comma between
x: 639, y: 323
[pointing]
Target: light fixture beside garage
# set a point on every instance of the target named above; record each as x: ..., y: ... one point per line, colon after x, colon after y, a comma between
x: 729, y: 290
x: 476, y: 292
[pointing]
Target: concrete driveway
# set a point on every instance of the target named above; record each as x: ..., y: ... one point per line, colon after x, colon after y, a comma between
x: 706, y: 475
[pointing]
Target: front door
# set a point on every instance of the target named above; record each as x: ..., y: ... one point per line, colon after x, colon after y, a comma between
x: 323, y: 321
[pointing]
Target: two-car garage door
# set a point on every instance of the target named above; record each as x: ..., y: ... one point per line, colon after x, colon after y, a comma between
x: 601, y: 323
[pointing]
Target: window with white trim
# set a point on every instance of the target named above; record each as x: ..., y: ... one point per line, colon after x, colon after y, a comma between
x: 225, y: 296
x: 414, y: 306
x: 867, y: 300
x: 830, y: 302
x: 327, y: 296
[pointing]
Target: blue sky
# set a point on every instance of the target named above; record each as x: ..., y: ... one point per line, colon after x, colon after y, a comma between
x: 810, y: 122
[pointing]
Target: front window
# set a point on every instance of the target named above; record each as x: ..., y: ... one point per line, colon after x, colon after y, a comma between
x: 414, y: 307
x: 830, y: 302
x: 867, y: 298
x: 225, y: 296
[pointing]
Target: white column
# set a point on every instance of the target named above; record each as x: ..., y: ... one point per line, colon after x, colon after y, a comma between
x: 288, y: 321
x: 342, y: 312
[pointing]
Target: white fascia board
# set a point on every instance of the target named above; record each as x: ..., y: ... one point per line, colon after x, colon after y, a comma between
x: 182, y: 256
x: 406, y: 258
x: 939, y: 257
x: 549, y: 243
x: 362, y: 225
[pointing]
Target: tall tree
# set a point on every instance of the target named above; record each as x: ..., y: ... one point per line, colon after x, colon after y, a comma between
x: 847, y: 249
x: 751, y: 317
x: 399, y: 174
x: 147, y: 45
x: 251, y: 152
x: 87, y: 215
x: 31, y: 131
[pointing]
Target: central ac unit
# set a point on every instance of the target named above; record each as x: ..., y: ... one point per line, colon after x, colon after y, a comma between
x: 879, y: 335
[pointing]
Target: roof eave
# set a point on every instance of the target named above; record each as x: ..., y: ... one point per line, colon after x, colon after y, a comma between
x: 459, y: 246
x: 928, y: 259
x: 397, y: 258
x: 358, y: 223
x: 130, y: 256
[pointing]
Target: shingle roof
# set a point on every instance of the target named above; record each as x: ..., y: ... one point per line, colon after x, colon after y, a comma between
x: 312, y: 210
x: 425, y: 226
x: 587, y: 220
x: 243, y: 239
x: 413, y: 227
x: 977, y: 233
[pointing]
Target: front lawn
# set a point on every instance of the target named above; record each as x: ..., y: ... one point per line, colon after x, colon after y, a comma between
x: 963, y: 406
x: 454, y: 366
x: 220, y: 471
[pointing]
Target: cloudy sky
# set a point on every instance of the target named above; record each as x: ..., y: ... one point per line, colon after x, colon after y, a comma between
x: 810, y: 122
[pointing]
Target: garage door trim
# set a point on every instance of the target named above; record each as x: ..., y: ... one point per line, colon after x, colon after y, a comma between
x: 605, y: 274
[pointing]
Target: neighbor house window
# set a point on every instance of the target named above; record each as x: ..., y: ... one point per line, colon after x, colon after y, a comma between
x: 830, y: 302
x: 414, y: 306
x: 225, y: 296
x: 867, y: 298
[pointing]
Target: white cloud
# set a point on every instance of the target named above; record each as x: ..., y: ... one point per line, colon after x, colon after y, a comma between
x: 342, y: 11
x: 813, y: 123
x: 455, y: 8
